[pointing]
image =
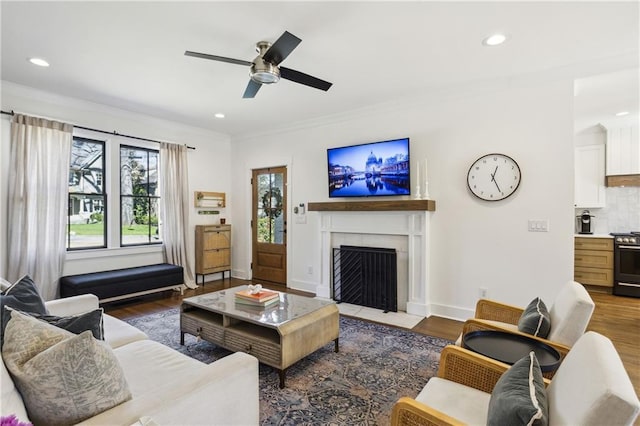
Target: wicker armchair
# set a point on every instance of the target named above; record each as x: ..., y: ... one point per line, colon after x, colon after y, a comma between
x: 461, y: 391
x: 570, y: 314
x: 457, y: 365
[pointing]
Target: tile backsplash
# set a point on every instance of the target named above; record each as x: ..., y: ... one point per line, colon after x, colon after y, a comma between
x: 622, y: 213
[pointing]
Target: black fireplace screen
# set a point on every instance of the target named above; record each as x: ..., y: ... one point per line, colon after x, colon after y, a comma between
x: 366, y: 276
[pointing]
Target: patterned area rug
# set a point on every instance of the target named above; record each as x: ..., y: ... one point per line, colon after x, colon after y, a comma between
x: 376, y: 365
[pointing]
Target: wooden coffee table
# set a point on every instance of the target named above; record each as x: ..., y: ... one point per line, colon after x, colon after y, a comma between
x: 278, y: 335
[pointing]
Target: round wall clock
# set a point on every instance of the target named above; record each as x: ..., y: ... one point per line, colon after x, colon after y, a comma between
x: 493, y: 177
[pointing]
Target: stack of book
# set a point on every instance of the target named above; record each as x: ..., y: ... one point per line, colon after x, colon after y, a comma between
x: 262, y: 298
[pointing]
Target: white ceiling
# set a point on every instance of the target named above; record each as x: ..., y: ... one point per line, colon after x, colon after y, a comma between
x: 130, y: 55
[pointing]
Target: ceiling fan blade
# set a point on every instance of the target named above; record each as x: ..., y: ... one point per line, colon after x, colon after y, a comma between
x: 281, y: 48
x: 306, y: 79
x: 217, y: 58
x: 252, y: 89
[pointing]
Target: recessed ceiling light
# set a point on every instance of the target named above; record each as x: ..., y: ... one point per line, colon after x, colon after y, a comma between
x: 494, y: 39
x: 39, y: 62
x: 218, y: 115
x: 622, y: 113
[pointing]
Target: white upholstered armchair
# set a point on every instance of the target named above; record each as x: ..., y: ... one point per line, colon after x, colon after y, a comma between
x: 591, y: 387
x: 569, y: 313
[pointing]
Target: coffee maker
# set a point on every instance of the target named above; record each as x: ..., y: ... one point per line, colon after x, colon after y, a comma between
x: 584, y: 222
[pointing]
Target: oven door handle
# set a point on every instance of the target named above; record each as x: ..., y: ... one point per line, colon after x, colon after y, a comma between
x: 629, y: 247
x: 627, y: 284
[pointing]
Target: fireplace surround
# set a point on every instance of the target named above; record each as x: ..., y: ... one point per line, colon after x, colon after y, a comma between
x: 382, y: 229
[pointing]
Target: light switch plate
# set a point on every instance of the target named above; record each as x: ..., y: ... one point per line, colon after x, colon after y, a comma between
x: 538, y: 225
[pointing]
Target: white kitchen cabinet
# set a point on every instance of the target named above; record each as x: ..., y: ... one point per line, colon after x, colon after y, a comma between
x: 623, y: 150
x: 589, y: 176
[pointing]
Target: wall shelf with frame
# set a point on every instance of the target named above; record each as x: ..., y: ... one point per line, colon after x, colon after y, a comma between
x: 205, y: 199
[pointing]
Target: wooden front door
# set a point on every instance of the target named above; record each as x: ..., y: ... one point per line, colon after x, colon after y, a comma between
x: 269, y: 225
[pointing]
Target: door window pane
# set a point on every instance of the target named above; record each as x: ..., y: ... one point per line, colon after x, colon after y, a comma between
x: 270, y: 204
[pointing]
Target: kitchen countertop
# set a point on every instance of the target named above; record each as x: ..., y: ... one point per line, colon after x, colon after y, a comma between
x: 593, y: 235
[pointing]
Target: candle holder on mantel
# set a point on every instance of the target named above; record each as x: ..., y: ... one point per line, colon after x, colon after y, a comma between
x: 426, y: 191
x: 417, y: 194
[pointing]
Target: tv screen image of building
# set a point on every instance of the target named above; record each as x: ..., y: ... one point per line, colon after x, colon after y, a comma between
x: 370, y: 170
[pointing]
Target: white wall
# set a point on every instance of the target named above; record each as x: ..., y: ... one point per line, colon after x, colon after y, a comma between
x: 209, y: 167
x: 474, y: 243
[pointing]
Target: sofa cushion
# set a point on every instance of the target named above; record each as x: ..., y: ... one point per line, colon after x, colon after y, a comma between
x: 468, y: 405
x: 63, y: 378
x: 535, y: 319
x: 224, y: 392
x: 118, y: 333
x: 23, y: 296
x: 144, y: 377
x: 519, y: 396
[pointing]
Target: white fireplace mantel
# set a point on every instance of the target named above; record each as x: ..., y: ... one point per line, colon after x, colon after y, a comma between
x: 412, y: 224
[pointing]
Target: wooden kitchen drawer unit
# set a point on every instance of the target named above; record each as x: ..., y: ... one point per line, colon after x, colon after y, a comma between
x: 593, y: 276
x: 583, y: 243
x: 593, y: 258
x: 593, y: 261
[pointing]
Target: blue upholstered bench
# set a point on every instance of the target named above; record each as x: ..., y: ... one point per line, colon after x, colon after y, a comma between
x: 124, y: 283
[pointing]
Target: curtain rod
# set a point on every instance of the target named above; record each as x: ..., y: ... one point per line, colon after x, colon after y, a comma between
x: 106, y: 132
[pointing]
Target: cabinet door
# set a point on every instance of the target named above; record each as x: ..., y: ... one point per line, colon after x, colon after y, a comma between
x: 589, y: 176
x: 593, y: 259
x: 623, y: 151
x: 216, y: 259
x: 216, y: 240
x: 593, y: 276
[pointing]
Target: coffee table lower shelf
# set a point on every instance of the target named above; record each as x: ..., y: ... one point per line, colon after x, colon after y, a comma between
x: 279, y: 347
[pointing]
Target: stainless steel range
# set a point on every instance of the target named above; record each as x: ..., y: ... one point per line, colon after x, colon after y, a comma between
x: 626, y: 260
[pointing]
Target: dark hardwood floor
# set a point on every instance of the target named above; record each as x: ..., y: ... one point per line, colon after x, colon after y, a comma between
x: 616, y: 317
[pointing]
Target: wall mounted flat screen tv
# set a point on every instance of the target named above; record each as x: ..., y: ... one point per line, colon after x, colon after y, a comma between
x: 370, y: 170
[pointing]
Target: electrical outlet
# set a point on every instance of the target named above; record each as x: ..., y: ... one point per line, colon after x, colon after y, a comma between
x: 482, y: 292
x: 310, y: 270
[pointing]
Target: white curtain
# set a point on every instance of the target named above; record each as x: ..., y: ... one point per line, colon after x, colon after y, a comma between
x: 38, y: 197
x: 174, y: 211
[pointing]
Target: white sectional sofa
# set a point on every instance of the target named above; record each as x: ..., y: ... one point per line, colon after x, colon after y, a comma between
x: 167, y: 387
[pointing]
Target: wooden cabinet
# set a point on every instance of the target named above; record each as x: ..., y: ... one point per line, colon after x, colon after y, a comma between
x: 593, y: 261
x: 589, y: 176
x: 213, y: 250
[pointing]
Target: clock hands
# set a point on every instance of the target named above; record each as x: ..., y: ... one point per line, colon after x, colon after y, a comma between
x: 493, y: 178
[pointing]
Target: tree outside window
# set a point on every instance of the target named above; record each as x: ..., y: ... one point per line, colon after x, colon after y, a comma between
x: 139, y: 196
